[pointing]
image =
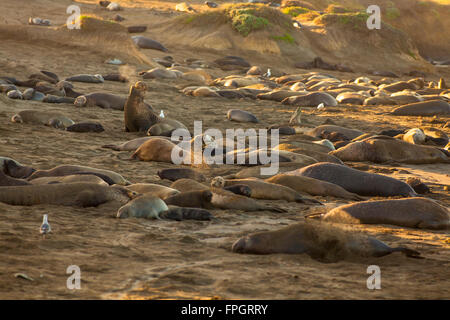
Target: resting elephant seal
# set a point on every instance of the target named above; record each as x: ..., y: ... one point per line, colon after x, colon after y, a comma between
x: 313, y: 186
x: 65, y: 170
x: 311, y: 100
x: 165, y: 127
x: 131, y: 145
x: 321, y: 241
x: 86, y: 127
x: 153, y: 189
x: 66, y: 194
x: 137, y: 115
x: 155, y: 150
x: 420, y: 213
x: 145, y: 206
x: 102, y: 100
x: 379, y: 149
x: 147, y: 43
x: 320, y: 130
x: 241, y: 116
x: 191, y: 199
x: 356, y: 181
x: 174, y: 174
x: 269, y: 191
x: 75, y: 178
x: 6, y: 180
x: 15, y: 169
x: 88, y: 78
x: 42, y: 117
x: 424, y: 108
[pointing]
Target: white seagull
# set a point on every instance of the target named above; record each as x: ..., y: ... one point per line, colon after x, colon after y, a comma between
x: 267, y: 74
x: 45, y: 227
x: 161, y: 114
x: 320, y: 106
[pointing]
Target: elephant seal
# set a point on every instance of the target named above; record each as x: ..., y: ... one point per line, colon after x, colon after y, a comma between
x: 65, y: 170
x: 241, y: 116
x: 156, y: 190
x: 66, y: 194
x: 102, y: 100
x: 313, y: 186
x: 49, y: 98
x: 319, y: 131
x: 74, y: 178
x: 356, y: 181
x: 86, y: 127
x: 87, y: 78
x: 178, y: 213
x: 424, y: 108
x: 420, y: 213
x: 186, y: 184
x: 173, y: 174
x: 224, y: 199
x: 131, y: 145
x: 137, y: 115
x: 321, y: 241
x: 155, y: 150
x: 15, y: 169
x: 379, y: 149
x: 414, y: 136
x: 6, y: 180
x: 269, y: 191
x: 165, y: 127
x: 311, y: 100
x: 191, y: 199
x: 42, y: 117
x: 147, y: 43
x: 145, y: 206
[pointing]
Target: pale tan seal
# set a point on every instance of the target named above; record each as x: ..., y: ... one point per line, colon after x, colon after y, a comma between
x: 153, y: 189
x: 155, y: 150
x: 78, y: 178
x: 420, y: 213
x: 48, y: 118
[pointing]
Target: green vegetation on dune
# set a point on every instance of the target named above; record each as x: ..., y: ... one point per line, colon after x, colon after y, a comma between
x: 246, y: 23
x: 294, y: 11
x: 357, y: 20
x: 392, y: 13
x: 286, y: 38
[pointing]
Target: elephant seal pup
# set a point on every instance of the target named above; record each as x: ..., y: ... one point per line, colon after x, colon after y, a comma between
x: 86, y: 127
x: 320, y: 130
x: 88, y: 78
x: 15, y: 169
x: 224, y: 199
x: 191, y: 199
x: 424, y: 108
x: 137, y: 115
x: 155, y: 150
x: 102, y: 100
x: 66, y: 194
x: 321, y: 241
x: 153, y: 189
x: 42, y: 117
x: 241, y: 116
x: 313, y: 186
x: 379, y: 149
x: 131, y: 145
x: 65, y: 170
x: 419, y: 213
x: 269, y: 191
x: 356, y: 181
x: 74, y: 178
x: 10, y: 181
x: 165, y: 127
x: 173, y: 174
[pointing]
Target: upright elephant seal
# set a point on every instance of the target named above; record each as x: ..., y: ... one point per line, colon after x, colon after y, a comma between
x: 173, y: 174
x: 379, y: 149
x: 420, y: 213
x: 241, y: 116
x: 137, y: 115
x: 313, y: 186
x: 102, y: 100
x: 153, y: 189
x: 356, y: 181
x: 319, y: 240
x: 66, y: 194
x: 424, y: 108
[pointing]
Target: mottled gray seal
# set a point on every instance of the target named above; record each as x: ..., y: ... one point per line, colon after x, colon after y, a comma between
x: 420, y: 213
x: 356, y: 181
x: 319, y: 240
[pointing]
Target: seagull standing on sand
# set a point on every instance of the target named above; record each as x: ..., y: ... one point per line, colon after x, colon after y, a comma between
x: 45, y: 227
x: 296, y: 117
x: 296, y: 24
x: 267, y: 74
x: 320, y: 106
x: 161, y: 114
